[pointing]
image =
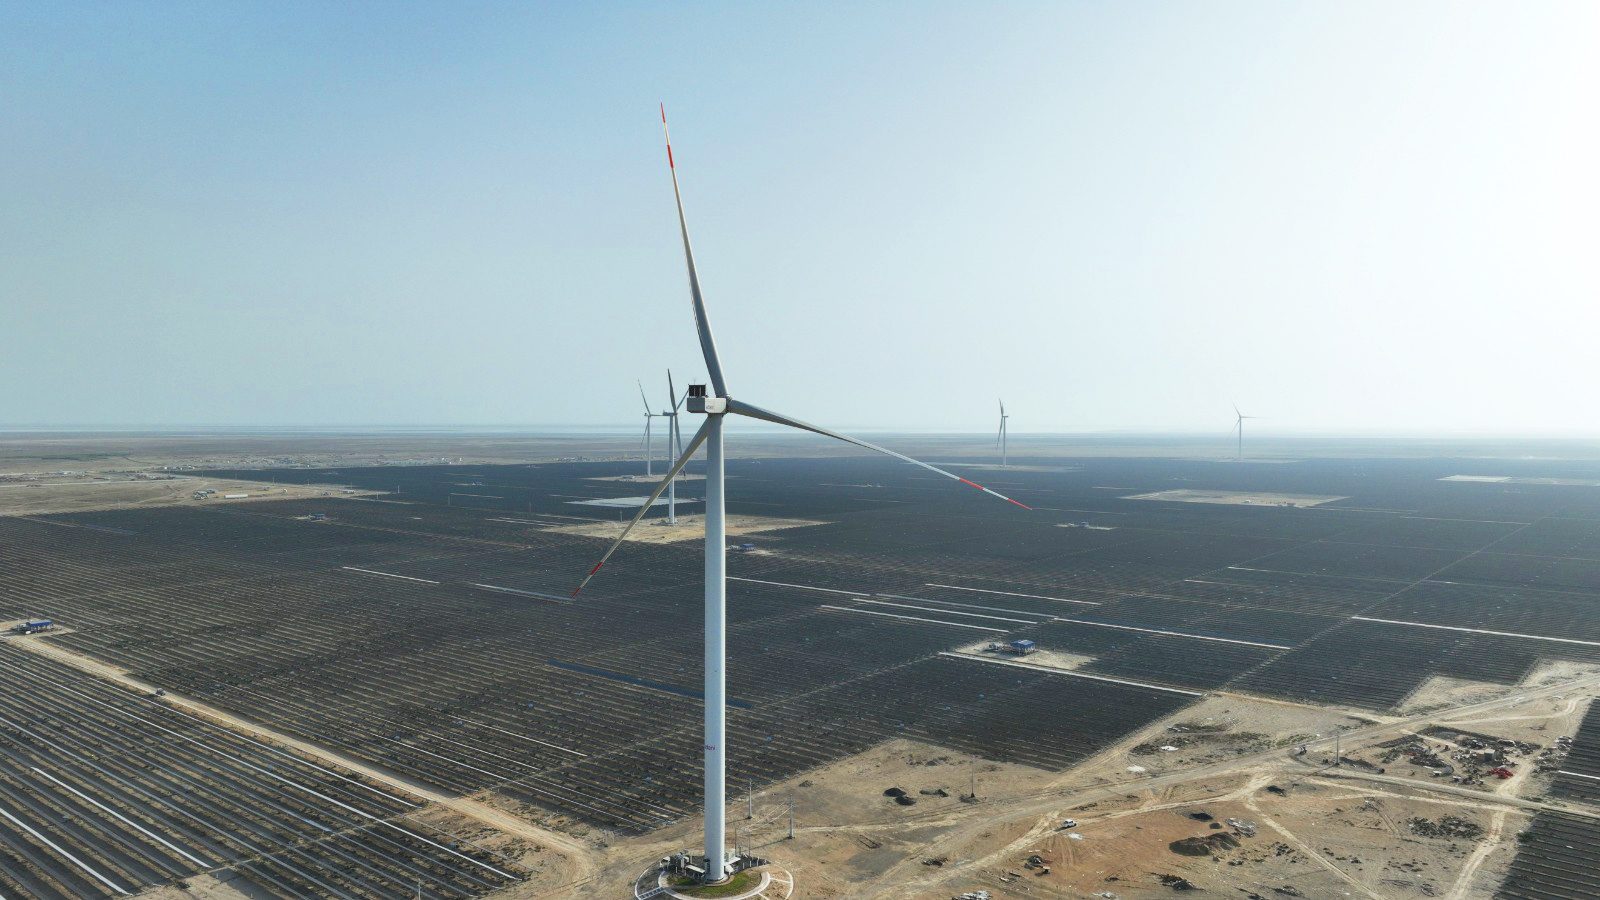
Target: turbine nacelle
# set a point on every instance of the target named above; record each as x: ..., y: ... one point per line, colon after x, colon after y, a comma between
x: 700, y: 402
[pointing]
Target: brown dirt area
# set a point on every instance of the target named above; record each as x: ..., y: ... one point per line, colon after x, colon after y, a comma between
x: 26, y: 496
x: 1314, y: 840
x: 1250, y: 498
x: 1320, y: 836
x: 1439, y: 693
x: 1043, y: 659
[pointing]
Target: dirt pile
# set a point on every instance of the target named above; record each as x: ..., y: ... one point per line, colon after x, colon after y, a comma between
x: 1211, y: 738
x: 1445, y: 827
x: 1467, y: 757
x: 1549, y: 759
x: 1208, y: 845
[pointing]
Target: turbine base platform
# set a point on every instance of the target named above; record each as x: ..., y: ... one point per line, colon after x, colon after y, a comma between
x: 754, y: 879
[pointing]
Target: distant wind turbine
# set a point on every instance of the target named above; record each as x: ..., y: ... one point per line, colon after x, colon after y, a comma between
x: 649, y: 447
x: 674, y: 445
x: 1238, y: 425
x: 716, y: 406
x: 1000, y: 439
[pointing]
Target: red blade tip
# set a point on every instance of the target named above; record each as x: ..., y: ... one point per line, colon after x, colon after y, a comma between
x: 987, y: 491
x: 587, y: 577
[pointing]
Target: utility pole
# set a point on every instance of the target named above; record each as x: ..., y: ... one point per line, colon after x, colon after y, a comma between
x: 1336, y: 748
x: 791, y: 817
x: 750, y: 798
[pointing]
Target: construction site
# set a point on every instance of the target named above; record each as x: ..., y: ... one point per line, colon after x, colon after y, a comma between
x: 375, y: 685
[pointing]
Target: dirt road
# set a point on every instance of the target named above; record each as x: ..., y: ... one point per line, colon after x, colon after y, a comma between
x: 1056, y: 802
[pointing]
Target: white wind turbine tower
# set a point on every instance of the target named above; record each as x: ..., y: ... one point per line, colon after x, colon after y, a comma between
x: 674, y: 445
x: 1000, y: 439
x: 716, y: 406
x: 649, y: 446
x: 1238, y: 425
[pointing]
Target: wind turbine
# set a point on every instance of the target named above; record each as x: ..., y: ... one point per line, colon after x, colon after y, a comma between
x: 1000, y: 440
x: 716, y: 406
x: 674, y: 445
x: 1238, y: 425
x: 649, y: 448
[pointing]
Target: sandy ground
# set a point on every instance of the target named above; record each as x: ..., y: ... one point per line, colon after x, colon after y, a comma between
x: 1310, y: 840
x: 1248, y: 498
x: 204, y: 887
x: 1321, y: 833
x: 1224, y: 727
x: 1042, y: 659
x: 26, y: 496
x: 1440, y: 692
x: 655, y: 531
x: 1518, y: 479
x: 45, y: 452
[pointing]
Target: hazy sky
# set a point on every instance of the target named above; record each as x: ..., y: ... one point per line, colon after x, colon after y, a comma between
x: 1343, y: 216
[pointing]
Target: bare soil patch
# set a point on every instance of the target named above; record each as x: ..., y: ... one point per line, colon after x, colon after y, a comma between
x: 22, y: 495
x: 1042, y: 659
x: 1243, y: 498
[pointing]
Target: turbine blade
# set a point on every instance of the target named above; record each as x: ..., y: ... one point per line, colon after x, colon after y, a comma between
x: 699, y: 438
x: 708, y: 344
x: 756, y: 412
x: 1002, y: 409
x: 642, y: 397
x: 672, y: 394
